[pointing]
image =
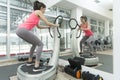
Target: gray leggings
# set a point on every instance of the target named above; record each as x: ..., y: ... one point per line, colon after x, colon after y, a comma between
x: 32, y: 39
x: 83, y: 41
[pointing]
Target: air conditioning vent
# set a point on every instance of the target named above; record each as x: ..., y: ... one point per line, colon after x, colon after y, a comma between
x: 97, y: 1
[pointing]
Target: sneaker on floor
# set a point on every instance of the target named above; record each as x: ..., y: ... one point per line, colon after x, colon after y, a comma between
x: 30, y: 63
x: 40, y: 68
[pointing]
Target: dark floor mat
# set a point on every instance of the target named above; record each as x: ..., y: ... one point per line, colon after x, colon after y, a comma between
x: 107, y: 61
x: 29, y: 69
x: 7, y: 71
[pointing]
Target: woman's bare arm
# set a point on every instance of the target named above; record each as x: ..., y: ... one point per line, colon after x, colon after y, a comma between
x: 42, y: 17
x: 42, y: 27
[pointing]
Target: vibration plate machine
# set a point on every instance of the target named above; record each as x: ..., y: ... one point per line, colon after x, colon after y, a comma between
x: 49, y: 73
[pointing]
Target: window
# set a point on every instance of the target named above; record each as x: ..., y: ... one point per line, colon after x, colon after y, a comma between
x: 51, y: 11
x: 93, y: 22
x: 111, y: 29
x: 19, y: 11
x: 3, y: 1
x: 3, y: 30
x: 26, y: 4
x: 101, y: 27
x: 65, y: 13
x: 94, y: 28
x: 97, y: 26
x: 17, y: 45
x: 44, y: 35
x: 65, y: 36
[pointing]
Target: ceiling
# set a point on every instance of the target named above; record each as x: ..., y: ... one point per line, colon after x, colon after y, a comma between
x: 66, y: 4
x: 106, y: 4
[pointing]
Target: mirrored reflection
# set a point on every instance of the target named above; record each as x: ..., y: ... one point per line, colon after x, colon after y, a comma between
x: 65, y: 36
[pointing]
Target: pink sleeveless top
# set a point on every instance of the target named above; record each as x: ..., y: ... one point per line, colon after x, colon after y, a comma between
x: 87, y: 32
x: 30, y: 22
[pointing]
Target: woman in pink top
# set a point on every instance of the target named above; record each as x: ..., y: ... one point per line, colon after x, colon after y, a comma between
x: 24, y: 29
x: 86, y: 29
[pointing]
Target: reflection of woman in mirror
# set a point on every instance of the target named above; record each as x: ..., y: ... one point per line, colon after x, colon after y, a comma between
x: 86, y: 29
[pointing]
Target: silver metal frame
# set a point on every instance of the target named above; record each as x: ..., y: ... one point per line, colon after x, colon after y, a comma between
x: 45, y: 75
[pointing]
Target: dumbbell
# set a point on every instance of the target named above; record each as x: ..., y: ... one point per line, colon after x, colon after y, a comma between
x: 84, y: 75
x: 73, y: 72
x: 22, y: 58
x: 88, y: 76
x: 98, y: 77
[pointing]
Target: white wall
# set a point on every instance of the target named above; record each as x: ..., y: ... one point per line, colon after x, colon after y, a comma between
x: 116, y: 40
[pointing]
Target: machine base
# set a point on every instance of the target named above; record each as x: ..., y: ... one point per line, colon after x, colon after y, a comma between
x: 26, y: 73
x: 90, y: 60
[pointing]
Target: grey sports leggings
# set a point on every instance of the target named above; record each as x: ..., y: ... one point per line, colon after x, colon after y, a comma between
x: 32, y: 39
x: 83, y: 41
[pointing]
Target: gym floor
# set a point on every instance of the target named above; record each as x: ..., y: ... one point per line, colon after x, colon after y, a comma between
x: 60, y: 76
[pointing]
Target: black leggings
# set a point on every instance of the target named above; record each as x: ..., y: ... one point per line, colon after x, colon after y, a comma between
x: 83, y: 41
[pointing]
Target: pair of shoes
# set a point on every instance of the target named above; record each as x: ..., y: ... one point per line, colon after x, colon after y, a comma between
x: 40, y: 68
x: 30, y: 63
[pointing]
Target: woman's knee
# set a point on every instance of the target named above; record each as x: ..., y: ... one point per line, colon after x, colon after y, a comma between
x: 34, y: 46
x: 40, y: 44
